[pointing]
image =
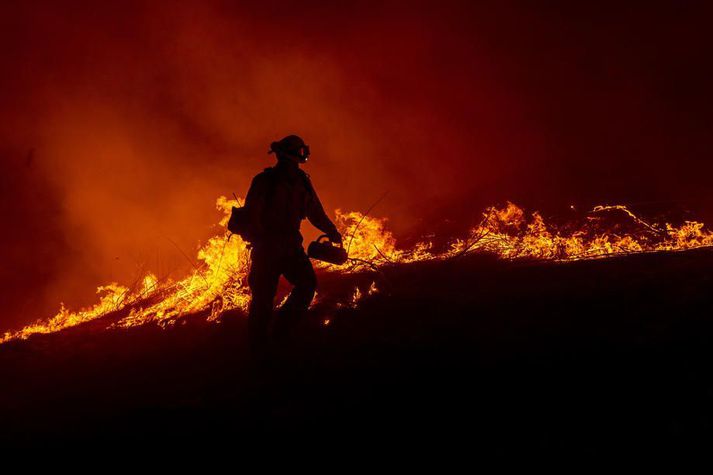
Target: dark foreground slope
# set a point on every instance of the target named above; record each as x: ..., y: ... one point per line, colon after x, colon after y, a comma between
x: 591, y: 357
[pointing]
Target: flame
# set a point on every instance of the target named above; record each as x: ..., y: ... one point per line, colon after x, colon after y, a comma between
x: 510, y: 235
x: 112, y: 297
x: 359, y: 295
x: 219, y: 282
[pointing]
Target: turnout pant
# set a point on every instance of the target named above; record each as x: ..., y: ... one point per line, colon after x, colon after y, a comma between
x: 268, y: 264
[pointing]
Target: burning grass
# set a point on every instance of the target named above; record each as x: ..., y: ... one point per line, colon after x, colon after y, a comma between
x: 219, y: 283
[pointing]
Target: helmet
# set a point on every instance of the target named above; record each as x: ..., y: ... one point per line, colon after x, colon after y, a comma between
x: 291, y: 145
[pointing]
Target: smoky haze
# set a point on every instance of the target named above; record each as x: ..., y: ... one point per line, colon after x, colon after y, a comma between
x: 123, y: 121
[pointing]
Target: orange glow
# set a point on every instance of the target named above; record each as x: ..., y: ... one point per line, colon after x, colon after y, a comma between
x: 219, y: 282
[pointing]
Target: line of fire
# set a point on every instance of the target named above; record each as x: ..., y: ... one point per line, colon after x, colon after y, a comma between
x: 219, y: 282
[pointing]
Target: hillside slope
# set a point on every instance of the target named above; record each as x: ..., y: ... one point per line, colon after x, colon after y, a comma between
x: 591, y: 356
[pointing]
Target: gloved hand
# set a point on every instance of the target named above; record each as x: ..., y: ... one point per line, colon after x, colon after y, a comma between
x: 335, y: 237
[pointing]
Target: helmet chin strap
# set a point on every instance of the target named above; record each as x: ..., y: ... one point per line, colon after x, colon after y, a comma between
x: 298, y: 157
x: 301, y: 153
x: 291, y: 157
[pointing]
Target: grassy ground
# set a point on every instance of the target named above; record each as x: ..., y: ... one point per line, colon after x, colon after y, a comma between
x: 594, y: 357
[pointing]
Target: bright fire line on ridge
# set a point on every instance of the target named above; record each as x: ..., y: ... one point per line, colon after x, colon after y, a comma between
x: 219, y: 284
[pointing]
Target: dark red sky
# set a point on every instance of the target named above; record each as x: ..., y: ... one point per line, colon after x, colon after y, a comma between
x: 121, y: 122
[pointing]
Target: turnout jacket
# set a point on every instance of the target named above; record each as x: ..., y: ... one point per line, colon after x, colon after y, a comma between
x: 278, y: 200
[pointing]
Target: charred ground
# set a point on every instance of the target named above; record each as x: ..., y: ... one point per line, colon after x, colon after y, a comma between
x: 591, y: 356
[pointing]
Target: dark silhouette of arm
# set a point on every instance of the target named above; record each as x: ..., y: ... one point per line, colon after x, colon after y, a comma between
x: 318, y: 218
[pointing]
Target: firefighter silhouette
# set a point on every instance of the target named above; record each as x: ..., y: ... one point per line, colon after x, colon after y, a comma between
x: 278, y: 200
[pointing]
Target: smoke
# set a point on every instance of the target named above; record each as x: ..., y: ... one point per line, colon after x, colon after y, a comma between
x: 123, y: 121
